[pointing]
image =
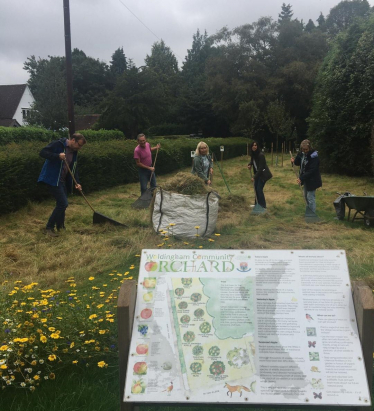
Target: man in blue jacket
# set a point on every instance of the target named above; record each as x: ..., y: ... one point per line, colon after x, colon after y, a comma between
x: 309, y: 176
x: 55, y: 174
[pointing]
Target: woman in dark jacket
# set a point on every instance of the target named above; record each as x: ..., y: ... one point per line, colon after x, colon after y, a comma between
x: 261, y: 172
x: 309, y: 176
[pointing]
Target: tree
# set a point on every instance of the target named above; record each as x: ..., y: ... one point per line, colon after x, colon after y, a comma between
x: 321, y: 21
x: 162, y: 59
x: 250, y: 120
x: 279, y: 121
x: 194, y: 102
x: 239, y: 70
x: 286, y: 14
x: 91, y: 80
x: 343, y: 103
x: 164, y: 65
x: 310, y: 26
x: 118, y: 64
x: 343, y: 15
x: 47, y: 83
x: 136, y: 102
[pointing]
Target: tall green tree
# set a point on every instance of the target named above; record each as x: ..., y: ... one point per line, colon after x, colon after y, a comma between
x: 286, y: 13
x: 239, y: 71
x: 194, y: 102
x: 136, y: 102
x: 279, y: 121
x: 118, y: 64
x: 164, y: 65
x: 91, y: 80
x: 343, y: 102
x: 342, y: 15
x: 47, y: 83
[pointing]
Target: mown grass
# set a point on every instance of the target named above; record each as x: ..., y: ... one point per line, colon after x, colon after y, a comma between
x: 27, y: 254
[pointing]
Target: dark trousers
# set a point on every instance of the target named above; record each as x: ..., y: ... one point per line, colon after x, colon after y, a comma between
x: 57, y: 218
x: 144, y: 177
x: 259, y: 187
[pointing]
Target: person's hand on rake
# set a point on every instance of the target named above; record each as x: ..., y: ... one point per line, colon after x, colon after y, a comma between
x: 78, y: 187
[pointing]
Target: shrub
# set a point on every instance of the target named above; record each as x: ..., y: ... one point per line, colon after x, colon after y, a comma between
x: 10, y: 135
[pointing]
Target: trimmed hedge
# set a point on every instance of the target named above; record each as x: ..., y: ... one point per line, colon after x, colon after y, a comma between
x: 10, y: 135
x: 101, y: 165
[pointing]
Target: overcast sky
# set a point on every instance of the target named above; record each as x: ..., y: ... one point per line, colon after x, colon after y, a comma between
x: 99, y: 27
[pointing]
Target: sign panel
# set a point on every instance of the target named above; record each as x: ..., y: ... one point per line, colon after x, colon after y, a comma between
x: 236, y: 326
x: 221, y: 148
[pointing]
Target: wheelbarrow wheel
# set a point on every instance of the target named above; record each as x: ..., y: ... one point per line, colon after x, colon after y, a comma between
x: 369, y: 218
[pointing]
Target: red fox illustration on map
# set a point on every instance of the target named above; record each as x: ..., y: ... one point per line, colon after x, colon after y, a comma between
x: 238, y: 388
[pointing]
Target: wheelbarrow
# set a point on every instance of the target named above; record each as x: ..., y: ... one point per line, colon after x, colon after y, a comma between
x: 364, y: 208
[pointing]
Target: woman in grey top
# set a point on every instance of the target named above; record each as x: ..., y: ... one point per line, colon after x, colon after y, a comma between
x: 202, y: 163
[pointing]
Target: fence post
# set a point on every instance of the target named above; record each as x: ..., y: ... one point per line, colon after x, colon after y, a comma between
x: 364, y: 306
x: 125, y: 318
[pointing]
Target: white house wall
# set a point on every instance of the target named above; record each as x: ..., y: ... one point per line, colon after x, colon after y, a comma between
x: 26, y: 101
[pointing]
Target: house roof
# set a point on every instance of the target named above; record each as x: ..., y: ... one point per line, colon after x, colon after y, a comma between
x: 9, y: 122
x: 85, y: 122
x: 10, y: 96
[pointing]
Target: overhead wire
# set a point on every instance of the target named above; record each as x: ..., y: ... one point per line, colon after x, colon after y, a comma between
x: 123, y: 4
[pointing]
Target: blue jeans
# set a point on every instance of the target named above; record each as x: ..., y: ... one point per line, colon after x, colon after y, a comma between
x: 310, y: 197
x: 259, y: 187
x: 57, y: 218
x: 144, y: 177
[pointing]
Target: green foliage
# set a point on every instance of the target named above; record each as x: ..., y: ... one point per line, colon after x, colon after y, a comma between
x: 343, y: 15
x: 22, y: 134
x: 343, y: 107
x: 136, y: 102
x: 17, y: 135
x: 92, y: 80
x: 48, y: 85
x: 286, y: 14
x: 102, y: 164
x: 118, y: 64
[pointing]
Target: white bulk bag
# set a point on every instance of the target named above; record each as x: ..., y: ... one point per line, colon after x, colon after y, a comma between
x: 186, y: 212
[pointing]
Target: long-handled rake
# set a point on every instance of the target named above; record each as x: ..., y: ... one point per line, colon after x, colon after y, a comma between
x: 257, y: 208
x: 310, y: 215
x: 215, y: 158
x: 145, y: 199
x: 97, y: 217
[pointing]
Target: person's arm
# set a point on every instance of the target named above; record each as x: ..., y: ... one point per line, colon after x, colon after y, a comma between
x: 49, y: 153
x: 297, y: 160
x: 155, y: 147
x: 313, y: 165
x: 197, y: 167
x: 261, y: 163
x: 141, y: 165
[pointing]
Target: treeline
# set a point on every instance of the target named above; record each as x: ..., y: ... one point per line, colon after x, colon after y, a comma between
x: 267, y: 80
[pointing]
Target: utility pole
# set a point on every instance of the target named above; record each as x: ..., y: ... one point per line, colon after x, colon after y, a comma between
x: 69, y: 68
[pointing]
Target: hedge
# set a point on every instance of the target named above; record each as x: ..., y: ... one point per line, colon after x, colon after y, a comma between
x: 101, y: 165
x: 10, y: 135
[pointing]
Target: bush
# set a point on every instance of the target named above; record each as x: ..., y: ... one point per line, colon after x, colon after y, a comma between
x: 10, y: 135
x: 101, y: 165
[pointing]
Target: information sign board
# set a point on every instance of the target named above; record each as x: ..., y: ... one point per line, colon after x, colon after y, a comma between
x: 245, y: 326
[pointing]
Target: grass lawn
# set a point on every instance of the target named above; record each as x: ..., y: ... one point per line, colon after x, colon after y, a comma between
x: 84, y: 250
